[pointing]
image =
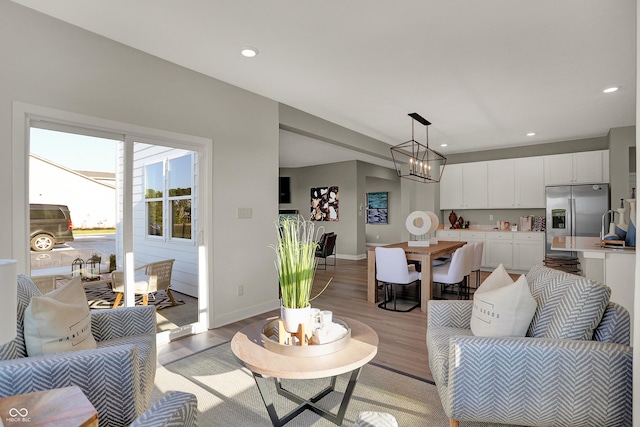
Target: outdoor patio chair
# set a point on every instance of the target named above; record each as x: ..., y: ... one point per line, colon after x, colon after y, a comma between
x: 158, y: 277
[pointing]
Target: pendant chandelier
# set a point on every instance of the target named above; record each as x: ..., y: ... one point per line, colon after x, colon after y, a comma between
x: 416, y: 161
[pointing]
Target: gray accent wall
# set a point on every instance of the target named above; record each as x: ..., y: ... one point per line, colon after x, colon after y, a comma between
x: 545, y: 149
x: 621, y: 142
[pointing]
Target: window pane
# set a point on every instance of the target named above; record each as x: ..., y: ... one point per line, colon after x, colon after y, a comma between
x: 181, y: 219
x: 153, y: 181
x: 154, y: 219
x: 180, y: 176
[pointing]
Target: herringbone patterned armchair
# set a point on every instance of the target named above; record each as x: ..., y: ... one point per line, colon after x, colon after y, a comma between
x: 117, y: 377
x: 536, y: 380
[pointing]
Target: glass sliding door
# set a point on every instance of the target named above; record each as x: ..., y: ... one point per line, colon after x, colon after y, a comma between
x: 148, y: 206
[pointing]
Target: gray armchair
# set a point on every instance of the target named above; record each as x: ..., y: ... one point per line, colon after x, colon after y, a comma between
x: 117, y: 377
x: 532, y: 381
x: 175, y: 408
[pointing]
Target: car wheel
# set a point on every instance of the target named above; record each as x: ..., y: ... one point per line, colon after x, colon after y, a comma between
x: 42, y: 243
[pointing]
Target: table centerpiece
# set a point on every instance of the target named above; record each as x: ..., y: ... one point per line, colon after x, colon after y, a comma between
x: 296, y: 266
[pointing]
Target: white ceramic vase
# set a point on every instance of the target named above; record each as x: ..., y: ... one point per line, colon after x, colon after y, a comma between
x: 293, y: 317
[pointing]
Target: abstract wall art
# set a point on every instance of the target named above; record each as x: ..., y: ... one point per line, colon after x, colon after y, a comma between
x: 324, y: 204
x: 378, y: 208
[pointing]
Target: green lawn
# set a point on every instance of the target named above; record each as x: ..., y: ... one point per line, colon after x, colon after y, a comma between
x: 77, y: 231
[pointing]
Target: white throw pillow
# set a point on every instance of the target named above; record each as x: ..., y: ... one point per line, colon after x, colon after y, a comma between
x: 501, y: 307
x: 59, y: 321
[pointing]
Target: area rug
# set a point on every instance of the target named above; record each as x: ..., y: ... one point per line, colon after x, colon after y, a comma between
x: 228, y: 396
x: 102, y: 297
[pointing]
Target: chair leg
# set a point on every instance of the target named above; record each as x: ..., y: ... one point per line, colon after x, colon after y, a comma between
x: 145, y: 299
x: 454, y: 423
x: 118, y: 299
x: 395, y: 299
x: 477, y: 278
x: 170, y: 295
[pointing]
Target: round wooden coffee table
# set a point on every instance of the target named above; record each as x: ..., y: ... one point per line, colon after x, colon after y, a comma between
x: 263, y: 363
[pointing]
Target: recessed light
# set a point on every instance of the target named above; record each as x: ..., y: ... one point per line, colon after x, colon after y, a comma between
x: 249, y: 52
x: 531, y: 134
x: 443, y: 145
x: 611, y: 89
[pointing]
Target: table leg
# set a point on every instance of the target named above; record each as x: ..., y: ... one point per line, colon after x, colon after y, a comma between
x: 372, y: 292
x: 305, y: 404
x: 426, y: 284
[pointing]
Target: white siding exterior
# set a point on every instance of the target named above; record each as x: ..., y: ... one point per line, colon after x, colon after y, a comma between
x: 91, y: 202
x: 155, y: 248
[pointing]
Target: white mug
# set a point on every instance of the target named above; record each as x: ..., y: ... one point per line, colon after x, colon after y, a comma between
x: 316, y: 318
x: 327, y: 317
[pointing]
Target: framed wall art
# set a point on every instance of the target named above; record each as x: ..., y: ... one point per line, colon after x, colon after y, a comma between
x: 324, y: 204
x: 378, y: 208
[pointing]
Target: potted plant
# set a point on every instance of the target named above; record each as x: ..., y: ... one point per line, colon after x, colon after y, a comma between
x: 296, y: 265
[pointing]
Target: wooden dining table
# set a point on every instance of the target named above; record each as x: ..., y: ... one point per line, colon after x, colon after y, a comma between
x: 424, y: 254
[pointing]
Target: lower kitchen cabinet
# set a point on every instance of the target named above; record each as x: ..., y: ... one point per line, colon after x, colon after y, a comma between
x: 528, y: 250
x: 499, y: 249
x: 515, y: 250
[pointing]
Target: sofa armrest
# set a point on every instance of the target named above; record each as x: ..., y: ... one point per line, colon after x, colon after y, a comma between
x: 176, y: 408
x: 109, y: 377
x: 455, y: 314
x: 122, y: 322
x: 526, y: 381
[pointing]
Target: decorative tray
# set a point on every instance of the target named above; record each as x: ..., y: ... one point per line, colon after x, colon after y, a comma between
x: 270, y: 340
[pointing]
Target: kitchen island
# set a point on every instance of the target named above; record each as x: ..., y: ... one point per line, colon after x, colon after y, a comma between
x: 613, y: 266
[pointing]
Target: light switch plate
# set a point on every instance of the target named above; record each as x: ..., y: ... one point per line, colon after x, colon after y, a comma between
x: 244, y: 213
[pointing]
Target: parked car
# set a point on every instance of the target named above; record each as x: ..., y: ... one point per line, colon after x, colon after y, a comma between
x: 50, y: 225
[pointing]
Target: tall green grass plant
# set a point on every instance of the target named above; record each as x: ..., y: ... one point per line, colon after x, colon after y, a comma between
x: 295, y: 260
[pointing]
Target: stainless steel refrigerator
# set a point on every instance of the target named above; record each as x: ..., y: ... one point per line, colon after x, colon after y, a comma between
x: 575, y: 210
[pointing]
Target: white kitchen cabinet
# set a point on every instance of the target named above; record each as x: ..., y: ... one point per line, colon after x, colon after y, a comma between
x: 502, y: 186
x: 448, y: 235
x: 474, y: 181
x: 515, y: 250
x: 528, y: 250
x: 464, y: 186
x: 499, y: 249
x: 577, y: 168
x: 451, y: 187
x: 516, y: 183
x: 529, y: 183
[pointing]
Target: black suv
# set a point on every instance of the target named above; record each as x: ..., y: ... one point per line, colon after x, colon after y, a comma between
x: 50, y: 225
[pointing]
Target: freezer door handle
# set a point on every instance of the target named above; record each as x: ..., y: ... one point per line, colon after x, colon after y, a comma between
x: 573, y: 217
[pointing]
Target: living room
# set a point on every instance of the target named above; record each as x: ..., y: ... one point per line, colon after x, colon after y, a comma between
x: 56, y: 67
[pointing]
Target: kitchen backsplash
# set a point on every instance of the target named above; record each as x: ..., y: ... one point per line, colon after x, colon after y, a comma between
x: 487, y: 218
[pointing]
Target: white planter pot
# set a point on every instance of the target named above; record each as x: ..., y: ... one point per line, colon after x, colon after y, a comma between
x: 293, y: 317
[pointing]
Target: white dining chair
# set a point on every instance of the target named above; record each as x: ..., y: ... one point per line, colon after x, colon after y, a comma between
x: 392, y: 270
x: 478, y: 247
x: 454, y: 273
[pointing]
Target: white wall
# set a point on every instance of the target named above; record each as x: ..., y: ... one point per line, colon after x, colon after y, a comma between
x: 56, y: 65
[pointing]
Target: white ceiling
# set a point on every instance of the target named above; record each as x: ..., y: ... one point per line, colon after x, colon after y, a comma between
x: 483, y: 72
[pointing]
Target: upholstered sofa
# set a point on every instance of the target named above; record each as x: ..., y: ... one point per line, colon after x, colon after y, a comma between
x: 117, y: 377
x: 573, y: 367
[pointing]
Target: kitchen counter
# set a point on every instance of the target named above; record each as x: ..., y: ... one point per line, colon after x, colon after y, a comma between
x: 586, y: 244
x: 488, y: 230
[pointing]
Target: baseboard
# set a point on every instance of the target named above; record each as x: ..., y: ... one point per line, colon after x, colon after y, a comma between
x: 245, y: 313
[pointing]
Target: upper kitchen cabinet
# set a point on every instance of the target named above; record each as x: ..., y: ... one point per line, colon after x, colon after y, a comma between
x: 464, y: 186
x: 577, y: 168
x: 516, y: 183
x: 451, y: 187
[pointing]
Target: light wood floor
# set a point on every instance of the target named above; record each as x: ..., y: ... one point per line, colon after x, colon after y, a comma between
x: 402, y: 335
